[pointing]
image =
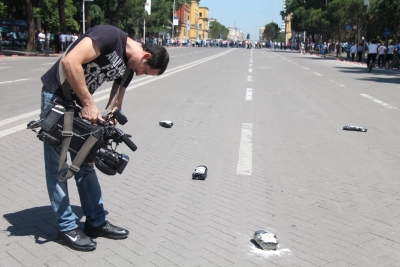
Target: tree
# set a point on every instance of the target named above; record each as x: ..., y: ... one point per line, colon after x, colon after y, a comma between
x: 217, y: 30
x: 271, y: 31
x: 30, y: 46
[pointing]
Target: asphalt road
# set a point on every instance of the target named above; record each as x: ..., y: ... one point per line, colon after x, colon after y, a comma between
x: 267, y: 124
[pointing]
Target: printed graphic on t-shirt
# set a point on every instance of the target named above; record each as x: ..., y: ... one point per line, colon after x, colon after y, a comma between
x: 96, y: 75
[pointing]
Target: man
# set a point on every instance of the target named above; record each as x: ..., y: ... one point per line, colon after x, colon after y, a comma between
x: 57, y: 42
x: 389, y: 55
x: 353, y: 51
x: 103, y: 53
x: 303, y: 48
x: 381, y: 54
x: 42, y: 39
x: 63, y: 42
x: 360, y: 50
x: 372, y: 51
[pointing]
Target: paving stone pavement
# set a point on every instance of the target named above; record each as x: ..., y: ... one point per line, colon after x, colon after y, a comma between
x: 327, y: 208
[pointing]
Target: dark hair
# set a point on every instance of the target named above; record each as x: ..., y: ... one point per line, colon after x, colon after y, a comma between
x: 160, y: 57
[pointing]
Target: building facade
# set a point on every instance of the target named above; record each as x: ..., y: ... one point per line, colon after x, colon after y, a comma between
x: 203, y: 26
x: 261, y: 33
x: 235, y: 34
x: 182, y: 30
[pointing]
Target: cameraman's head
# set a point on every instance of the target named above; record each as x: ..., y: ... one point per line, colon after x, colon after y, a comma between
x: 147, y: 59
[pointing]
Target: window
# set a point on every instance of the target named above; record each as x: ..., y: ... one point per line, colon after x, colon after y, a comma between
x: 200, y: 14
x: 200, y: 26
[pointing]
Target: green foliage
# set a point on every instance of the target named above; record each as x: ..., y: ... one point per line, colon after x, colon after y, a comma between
x: 3, y: 9
x: 271, y: 31
x: 216, y: 29
x: 330, y: 17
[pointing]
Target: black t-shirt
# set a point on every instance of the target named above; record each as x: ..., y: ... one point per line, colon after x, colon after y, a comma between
x: 109, y: 66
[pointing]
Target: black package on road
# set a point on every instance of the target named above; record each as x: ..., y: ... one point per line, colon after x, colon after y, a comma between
x: 200, y: 173
x: 354, y: 128
x: 166, y: 124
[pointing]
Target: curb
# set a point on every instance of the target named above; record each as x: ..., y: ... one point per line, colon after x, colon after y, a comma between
x: 30, y: 55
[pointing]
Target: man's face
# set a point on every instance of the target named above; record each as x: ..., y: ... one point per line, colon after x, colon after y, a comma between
x: 141, y: 67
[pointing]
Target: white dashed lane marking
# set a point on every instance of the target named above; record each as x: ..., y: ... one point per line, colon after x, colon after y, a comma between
x: 249, y: 94
x: 245, y: 162
x: 386, y: 105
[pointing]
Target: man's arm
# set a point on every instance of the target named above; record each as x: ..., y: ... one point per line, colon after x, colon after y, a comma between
x: 118, y: 103
x: 85, y: 51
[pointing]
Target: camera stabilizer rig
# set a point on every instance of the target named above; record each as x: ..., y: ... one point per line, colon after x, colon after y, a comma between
x: 91, y: 143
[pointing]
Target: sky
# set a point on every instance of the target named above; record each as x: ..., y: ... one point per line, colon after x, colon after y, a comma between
x: 246, y: 15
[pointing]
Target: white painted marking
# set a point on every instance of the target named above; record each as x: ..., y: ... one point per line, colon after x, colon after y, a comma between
x: 250, y: 70
x: 5, y: 67
x: 335, y: 82
x: 37, y: 69
x: 305, y: 68
x: 379, y: 101
x: 47, y: 63
x: 19, y: 80
x: 249, y: 78
x: 249, y: 94
x: 245, y: 162
x: 316, y: 73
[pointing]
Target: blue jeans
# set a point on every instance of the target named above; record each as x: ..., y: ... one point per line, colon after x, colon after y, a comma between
x: 86, y: 181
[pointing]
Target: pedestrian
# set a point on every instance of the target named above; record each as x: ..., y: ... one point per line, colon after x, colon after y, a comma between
x: 63, y: 42
x: 324, y: 47
x: 389, y: 55
x: 68, y: 39
x: 348, y: 50
x: 42, y: 39
x: 353, y: 51
x: 372, y: 51
x: 57, y: 42
x: 47, y: 41
x: 360, y: 50
x: 103, y: 53
x: 381, y: 54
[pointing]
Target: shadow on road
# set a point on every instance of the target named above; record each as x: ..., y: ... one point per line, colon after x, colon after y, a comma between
x: 377, y: 75
x: 38, y: 222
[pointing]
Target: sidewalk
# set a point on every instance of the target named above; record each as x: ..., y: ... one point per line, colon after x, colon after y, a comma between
x: 23, y: 52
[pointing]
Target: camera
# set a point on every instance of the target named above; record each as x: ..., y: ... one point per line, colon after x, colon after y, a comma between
x: 103, y: 153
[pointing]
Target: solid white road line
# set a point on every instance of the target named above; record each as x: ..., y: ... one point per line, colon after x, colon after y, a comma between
x: 245, y: 162
x: 98, y: 98
x: 249, y: 94
x: 386, y: 105
x: 14, y: 81
x: 5, y: 68
x: 316, y: 73
x: 335, y: 82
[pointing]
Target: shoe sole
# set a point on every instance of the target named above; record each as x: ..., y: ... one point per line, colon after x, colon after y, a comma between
x: 106, y: 236
x: 75, y: 247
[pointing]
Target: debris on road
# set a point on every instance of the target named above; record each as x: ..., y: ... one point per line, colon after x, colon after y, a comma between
x: 200, y: 173
x: 266, y: 240
x: 354, y: 128
x: 166, y: 124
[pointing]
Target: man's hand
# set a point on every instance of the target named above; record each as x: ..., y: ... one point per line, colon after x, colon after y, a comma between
x: 91, y: 113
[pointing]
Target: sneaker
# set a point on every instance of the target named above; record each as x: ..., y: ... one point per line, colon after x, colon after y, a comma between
x: 106, y: 230
x: 77, y: 240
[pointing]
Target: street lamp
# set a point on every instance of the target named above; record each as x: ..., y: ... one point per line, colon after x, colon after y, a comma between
x: 83, y: 14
